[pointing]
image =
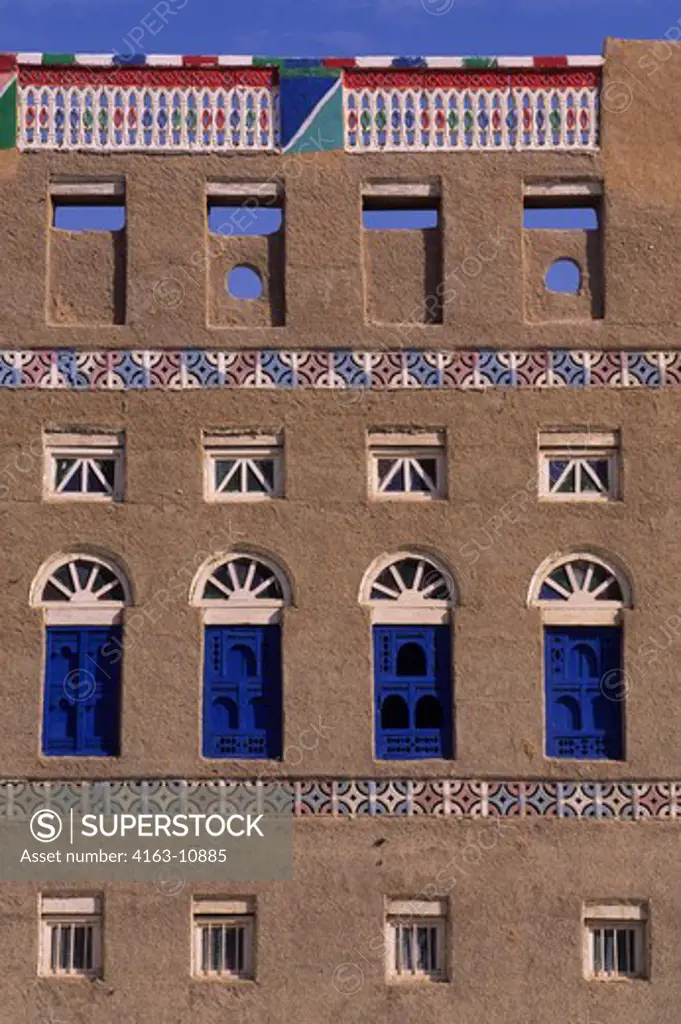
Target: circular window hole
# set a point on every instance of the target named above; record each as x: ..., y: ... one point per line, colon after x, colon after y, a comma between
x: 564, y: 276
x: 243, y: 283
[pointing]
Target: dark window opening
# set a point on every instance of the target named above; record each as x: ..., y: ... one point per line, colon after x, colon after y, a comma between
x: 394, y: 713
x: 411, y: 660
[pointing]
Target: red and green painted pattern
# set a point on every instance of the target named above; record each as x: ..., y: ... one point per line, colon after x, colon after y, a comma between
x: 307, y: 95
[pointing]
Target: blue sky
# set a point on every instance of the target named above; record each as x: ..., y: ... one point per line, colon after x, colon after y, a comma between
x: 332, y: 27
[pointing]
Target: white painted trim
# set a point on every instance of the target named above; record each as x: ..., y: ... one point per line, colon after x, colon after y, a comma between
x: 589, y: 606
x: 70, y: 615
x: 212, y: 455
x: 70, y: 904
x: 435, y: 607
x: 241, y: 615
x: 230, y: 440
x: 87, y: 189
x: 417, y: 908
x: 394, y: 614
x: 245, y: 921
x: 406, y: 439
x: 615, y: 912
x: 568, y: 189
x: 610, y: 455
x: 391, y: 925
x: 226, y: 908
x: 401, y: 190
x: 91, y: 441
x: 244, y: 190
x: 54, y: 563
x: 581, y: 616
x: 640, y: 948
x: 214, y: 563
x: 576, y: 440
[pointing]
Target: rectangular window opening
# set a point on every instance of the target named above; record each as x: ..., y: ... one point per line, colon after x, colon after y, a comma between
x: 243, y: 467
x: 400, y: 206
x: 406, y: 465
x: 223, y: 939
x: 579, y: 465
x: 244, y: 209
x: 84, y: 467
x: 88, y: 206
x: 70, y: 937
x: 416, y: 936
x: 567, y: 206
x: 615, y: 941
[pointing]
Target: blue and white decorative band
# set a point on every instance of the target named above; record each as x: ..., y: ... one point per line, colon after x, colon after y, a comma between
x: 352, y: 798
x: 187, y: 369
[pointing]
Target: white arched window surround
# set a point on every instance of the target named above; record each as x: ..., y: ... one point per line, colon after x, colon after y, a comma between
x: 408, y: 587
x: 243, y: 587
x: 580, y: 588
x: 81, y: 588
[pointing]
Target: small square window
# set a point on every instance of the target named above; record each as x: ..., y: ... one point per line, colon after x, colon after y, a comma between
x: 223, y: 939
x: 243, y: 467
x: 615, y: 941
x: 84, y: 467
x: 406, y: 465
x: 70, y: 937
x: 579, y: 465
x: 415, y: 939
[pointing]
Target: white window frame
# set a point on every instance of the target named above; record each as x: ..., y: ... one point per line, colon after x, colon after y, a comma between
x: 616, y: 917
x: 229, y: 913
x: 579, y: 447
x: 243, y: 447
x: 414, y: 914
x: 74, y: 911
x: 406, y: 446
x: 83, y: 446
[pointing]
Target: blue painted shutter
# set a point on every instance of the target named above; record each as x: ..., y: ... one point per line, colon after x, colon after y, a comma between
x: 82, y: 691
x: 242, y: 692
x: 583, y: 721
x: 413, y: 693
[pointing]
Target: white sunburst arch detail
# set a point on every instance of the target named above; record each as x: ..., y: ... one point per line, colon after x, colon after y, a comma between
x: 408, y: 587
x: 81, y: 588
x: 580, y: 587
x: 243, y: 587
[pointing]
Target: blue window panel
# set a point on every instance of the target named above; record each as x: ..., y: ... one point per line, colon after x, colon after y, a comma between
x: 242, y: 692
x: 81, y: 713
x: 582, y: 666
x: 412, y: 692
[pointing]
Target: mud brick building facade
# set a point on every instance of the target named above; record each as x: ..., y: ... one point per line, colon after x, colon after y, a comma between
x: 399, y: 532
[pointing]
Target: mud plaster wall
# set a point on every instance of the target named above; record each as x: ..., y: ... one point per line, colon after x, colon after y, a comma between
x: 414, y: 258
x: 541, y: 249
x: 265, y: 255
x: 515, y: 893
x: 86, y: 271
x: 325, y: 533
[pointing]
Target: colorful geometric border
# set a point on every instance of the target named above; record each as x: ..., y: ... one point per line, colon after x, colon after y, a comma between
x: 357, y: 798
x: 190, y: 369
x: 291, y: 65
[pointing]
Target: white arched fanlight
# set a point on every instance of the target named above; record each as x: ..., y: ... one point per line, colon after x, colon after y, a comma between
x: 408, y: 587
x: 580, y: 587
x: 81, y: 589
x: 241, y: 588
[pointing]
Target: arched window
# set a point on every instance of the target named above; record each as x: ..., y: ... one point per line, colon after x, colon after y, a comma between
x: 82, y: 597
x: 410, y: 597
x: 241, y: 597
x: 581, y: 597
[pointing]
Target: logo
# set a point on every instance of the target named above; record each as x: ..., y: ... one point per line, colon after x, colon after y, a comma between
x: 46, y: 825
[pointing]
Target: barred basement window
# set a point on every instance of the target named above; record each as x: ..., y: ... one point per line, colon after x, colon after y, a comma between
x: 243, y: 467
x: 615, y: 941
x: 579, y: 466
x: 223, y: 939
x: 415, y: 939
x: 409, y: 465
x: 70, y: 937
x: 84, y: 467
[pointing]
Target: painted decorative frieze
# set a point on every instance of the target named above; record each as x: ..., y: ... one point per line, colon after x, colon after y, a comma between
x: 340, y: 370
x: 356, y: 798
x: 172, y: 103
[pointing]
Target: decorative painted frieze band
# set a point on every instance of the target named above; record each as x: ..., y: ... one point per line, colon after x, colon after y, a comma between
x: 471, y: 110
x: 356, y: 798
x: 221, y: 103
x: 342, y: 370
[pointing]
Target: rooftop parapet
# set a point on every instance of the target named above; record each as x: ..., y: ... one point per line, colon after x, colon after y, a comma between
x: 165, y: 104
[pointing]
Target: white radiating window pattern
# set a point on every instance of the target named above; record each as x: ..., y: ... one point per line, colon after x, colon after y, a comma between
x: 385, y: 117
x: 410, y: 580
x: 243, y: 469
x: 581, y: 580
x: 172, y: 118
x: 242, y: 579
x: 81, y: 580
